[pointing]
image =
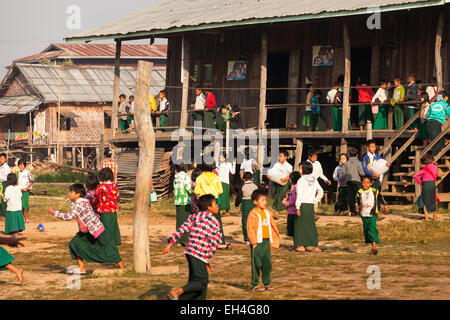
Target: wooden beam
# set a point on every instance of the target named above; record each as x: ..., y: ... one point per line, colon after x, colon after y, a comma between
x: 294, y: 66
x: 263, y: 81
x: 344, y: 147
x: 101, y: 151
x: 347, y: 74
x: 185, y: 93
x: 403, y: 147
x: 417, y: 169
x: 437, y: 50
x: 298, y: 154
x: 398, y: 133
x: 436, y: 140
x: 369, y: 130
x: 146, y: 137
x: 116, y: 89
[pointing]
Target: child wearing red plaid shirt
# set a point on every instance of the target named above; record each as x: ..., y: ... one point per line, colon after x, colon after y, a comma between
x: 105, y: 203
x: 204, y: 238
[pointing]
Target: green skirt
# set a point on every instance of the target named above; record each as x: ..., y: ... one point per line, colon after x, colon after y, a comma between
x: 290, y: 225
x: 183, y: 213
x: 26, y: 200
x: 208, y: 119
x: 224, y: 197
x: 305, y: 231
x: 370, y: 229
x: 307, y: 120
x: 5, y: 258
x: 427, y: 197
x: 100, y: 250
x: 337, y: 119
x: 14, y: 222
x: 381, y: 120
x: 109, y: 220
x: 219, y: 218
x: 423, y: 133
x: 279, y: 192
x: 256, y: 178
x: 246, y: 207
x: 3, y: 203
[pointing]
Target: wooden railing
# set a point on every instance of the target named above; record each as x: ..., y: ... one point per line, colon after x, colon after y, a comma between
x: 432, y: 143
x: 387, y: 146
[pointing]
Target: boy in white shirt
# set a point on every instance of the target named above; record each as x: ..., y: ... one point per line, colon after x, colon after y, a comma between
x: 14, y: 222
x: 4, y: 171
x: 25, y: 183
x: 163, y: 109
x: 317, y: 167
x: 250, y: 165
x: 199, y: 106
x: 225, y: 168
x: 279, y: 191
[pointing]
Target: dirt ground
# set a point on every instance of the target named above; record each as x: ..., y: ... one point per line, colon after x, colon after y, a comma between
x: 413, y: 260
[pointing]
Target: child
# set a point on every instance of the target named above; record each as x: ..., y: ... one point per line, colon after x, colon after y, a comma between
x: 123, y: 105
x: 309, y: 194
x: 204, y: 238
x: 199, y: 106
x: 194, y: 197
x: 279, y: 191
x: 222, y: 118
x: 105, y: 203
x: 244, y: 199
x: 319, y: 123
x: 182, y: 186
x: 342, y: 197
x: 250, y: 165
x: 289, y: 202
x: 365, y: 95
x: 398, y: 96
x: 335, y: 116
x: 352, y: 171
x: 224, y: 170
x: 423, y: 134
x: 14, y: 221
x: 366, y: 204
x: 209, y: 183
x: 163, y: 108
x: 412, y: 94
x: 4, y: 171
x: 93, y: 242
x: 91, y: 185
x: 6, y: 259
x: 436, y: 118
x: 210, y: 114
x: 25, y: 183
x: 130, y: 116
x: 427, y: 179
x: 264, y: 237
x: 307, y: 120
x: 380, y: 107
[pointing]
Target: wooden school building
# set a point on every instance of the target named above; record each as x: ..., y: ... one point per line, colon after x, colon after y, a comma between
x: 261, y: 54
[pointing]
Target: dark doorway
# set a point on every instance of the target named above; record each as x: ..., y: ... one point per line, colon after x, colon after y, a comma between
x: 277, y: 77
x: 361, y: 69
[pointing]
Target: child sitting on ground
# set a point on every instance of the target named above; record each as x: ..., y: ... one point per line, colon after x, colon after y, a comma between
x: 244, y: 199
x: 264, y: 237
x: 14, y: 222
x: 93, y: 243
x: 366, y: 205
x: 6, y: 259
x: 204, y: 238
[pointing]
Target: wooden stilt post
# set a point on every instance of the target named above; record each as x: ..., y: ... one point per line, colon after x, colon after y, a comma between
x: 116, y: 89
x: 369, y: 130
x: 185, y: 93
x: 291, y: 114
x: 262, y: 93
x: 74, y: 159
x: 146, y: 138
x: 437, y: 50
x: 82, y: 157
x: 416, y: 169
x: 387, y: 155
x: 101, y: 151
x: 347, y: 74
x: 344, y: 148
x: 298, y: 154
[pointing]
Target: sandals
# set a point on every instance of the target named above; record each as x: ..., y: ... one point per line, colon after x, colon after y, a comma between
x: 299, y: 250
x: 317, y: 249
x: 373, y: 252
x: 76, y: 271
x: 258, y: 289
x: 170, y: 297
x: 268, y: 288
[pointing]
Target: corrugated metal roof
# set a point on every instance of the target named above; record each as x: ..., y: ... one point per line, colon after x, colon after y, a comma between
x: 174, y: 15
x: 85, y: 83
x: 19, y: 104
x: 92, y: 50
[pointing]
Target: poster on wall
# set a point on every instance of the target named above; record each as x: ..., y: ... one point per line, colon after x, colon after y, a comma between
x: 237, y: 70
x: 323, y: 56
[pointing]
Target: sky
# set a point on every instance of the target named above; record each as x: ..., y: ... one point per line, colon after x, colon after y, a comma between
x: 27, y: 27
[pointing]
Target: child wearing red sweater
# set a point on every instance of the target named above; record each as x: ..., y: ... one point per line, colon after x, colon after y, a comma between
x: 204, y: 239
x: 105, y: 203
x: 427, y: 179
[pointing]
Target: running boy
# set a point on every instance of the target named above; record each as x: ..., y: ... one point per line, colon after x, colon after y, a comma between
x: 6, y: 259
x: 264, y: 237
x: 204, y: 238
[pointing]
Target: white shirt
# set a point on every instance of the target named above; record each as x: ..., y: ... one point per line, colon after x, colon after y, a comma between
x: 431, y: 91
x: 381, y: 95
x: 367, y: 202
x: 132, y: 107
x: 224, y: 169
x: 163, y: 104
x: 200, y: 102
x: 25, y: 178
x: 330, y: 96
x: 308, y: 190
x: 247, y: 165
x: 13, y: 198
x: 317, y: 170
x: 4, y: 171
x: 285, y: 167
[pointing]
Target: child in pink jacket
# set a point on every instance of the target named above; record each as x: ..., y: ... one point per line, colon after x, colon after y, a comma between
x: 427, y: 178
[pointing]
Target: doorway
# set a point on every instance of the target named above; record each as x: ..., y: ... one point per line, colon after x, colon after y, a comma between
x: 360, y: 70
x: 277, y: 77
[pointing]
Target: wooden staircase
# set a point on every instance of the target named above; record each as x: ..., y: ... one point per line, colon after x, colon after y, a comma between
x: 400, y: 182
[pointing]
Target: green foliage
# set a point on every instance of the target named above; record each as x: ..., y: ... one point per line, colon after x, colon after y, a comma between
x: 63, y: 175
